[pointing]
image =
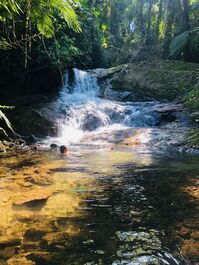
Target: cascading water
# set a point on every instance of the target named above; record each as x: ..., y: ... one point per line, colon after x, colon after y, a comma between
x: 87, y: 114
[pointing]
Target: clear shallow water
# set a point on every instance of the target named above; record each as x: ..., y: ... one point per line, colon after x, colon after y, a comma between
x: 106, y: 207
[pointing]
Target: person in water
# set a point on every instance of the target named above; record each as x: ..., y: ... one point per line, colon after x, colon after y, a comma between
x: 63, y: 149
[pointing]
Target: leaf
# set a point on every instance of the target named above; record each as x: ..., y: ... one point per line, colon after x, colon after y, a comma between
x: 45, y: 26
x: 4, y: 44
x: 3, y: 116
x: 178, y: 43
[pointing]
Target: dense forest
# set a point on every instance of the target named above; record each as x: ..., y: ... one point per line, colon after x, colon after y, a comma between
x: 40, y: 38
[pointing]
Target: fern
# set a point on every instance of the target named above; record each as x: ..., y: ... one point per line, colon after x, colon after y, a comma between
x: 43, y: 15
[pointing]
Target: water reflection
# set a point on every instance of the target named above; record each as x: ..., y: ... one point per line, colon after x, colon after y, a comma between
x: 108, y: 207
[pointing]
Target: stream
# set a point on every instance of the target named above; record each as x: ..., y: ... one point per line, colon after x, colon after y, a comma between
x: 105, y: 203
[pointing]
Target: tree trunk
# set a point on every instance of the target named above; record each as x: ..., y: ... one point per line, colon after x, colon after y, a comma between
x: 168, y: 28
x: 185, y: 15
x: 141, y: 20
x: 157, y: 30
x: 149, y: 22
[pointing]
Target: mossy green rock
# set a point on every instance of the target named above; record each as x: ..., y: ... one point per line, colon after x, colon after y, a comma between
x: 162, y: 80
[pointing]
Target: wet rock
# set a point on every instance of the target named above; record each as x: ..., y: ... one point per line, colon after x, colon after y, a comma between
x: 30, y: 246
x: 35, y: 122
x: 24, y: 183
x: 35, y: 148
x: 190, y: 249
x: 168, y: 112
x: 116, y: 95
x: 24, y: 216
x: 53, y: 145
x: 8, y: 252
x: 33, y: 235
x: 56, y: 238
x: 37, y: 195
x: 159, y: 80
x: 7, y: 241
x: 41, y: 180
x: 102, y: 73
x: 145, y: 242
x: 41, y: 257
x: 195, y: 235
x: 31, y: 139
x: 91, y: 122
x: 184, y: 232
x: 167, y: 108
x: 19, y: 261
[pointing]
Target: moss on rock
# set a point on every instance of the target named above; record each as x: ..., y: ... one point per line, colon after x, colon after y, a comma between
x: 192, y: 98
x: 193, y: 139
x: 160, y: 80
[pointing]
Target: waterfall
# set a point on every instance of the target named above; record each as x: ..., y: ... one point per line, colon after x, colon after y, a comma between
x: 85, y: 112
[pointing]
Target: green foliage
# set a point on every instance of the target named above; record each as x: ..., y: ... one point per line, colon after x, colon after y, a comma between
x: 193, y: 138
x: 192, y: 98
x: 43, y: 15
x: 7, y: 9
x: 62, y: 52
x: 36, y: 34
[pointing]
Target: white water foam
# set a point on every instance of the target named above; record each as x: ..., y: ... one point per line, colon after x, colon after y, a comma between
x: 86, y: 114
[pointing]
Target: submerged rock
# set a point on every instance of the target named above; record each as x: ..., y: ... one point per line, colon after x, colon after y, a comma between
x: 37, y: 195
x: 20, y: 261
x: 53, y: 145
x: 190, y: 249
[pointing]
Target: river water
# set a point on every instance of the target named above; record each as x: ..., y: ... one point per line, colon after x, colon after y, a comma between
x: 104, y: 203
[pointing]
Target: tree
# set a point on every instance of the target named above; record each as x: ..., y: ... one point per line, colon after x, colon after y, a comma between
x: 168, y: 29
x: 24, y: 20
x: 185, y: 15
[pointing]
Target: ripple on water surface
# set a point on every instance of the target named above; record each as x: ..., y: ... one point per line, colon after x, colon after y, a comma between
x: 105, y: 207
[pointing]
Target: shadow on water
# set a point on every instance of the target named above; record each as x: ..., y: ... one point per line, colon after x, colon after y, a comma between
x: 131, y: 217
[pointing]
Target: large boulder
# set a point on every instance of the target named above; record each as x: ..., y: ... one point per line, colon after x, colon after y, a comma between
x: 33, y: 122
x: 91, y: 122
x: 38, y: 119
x: 161, y: 80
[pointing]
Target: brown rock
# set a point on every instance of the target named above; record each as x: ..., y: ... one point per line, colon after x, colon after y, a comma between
x: 19, y: 261
x: 184, y: 232
x: 55, y: 238
x: 43, y: 257
x: 190, y: 249
x: 195, y: 235
x: 24, y: 216
x: 9, y: 241
x: 32, y: 196
x: 8, y: 252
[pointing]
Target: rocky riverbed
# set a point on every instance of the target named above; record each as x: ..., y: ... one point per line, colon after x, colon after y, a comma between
x: 98, y: 207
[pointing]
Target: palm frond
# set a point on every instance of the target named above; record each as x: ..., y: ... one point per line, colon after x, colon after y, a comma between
x: 3, y: 116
